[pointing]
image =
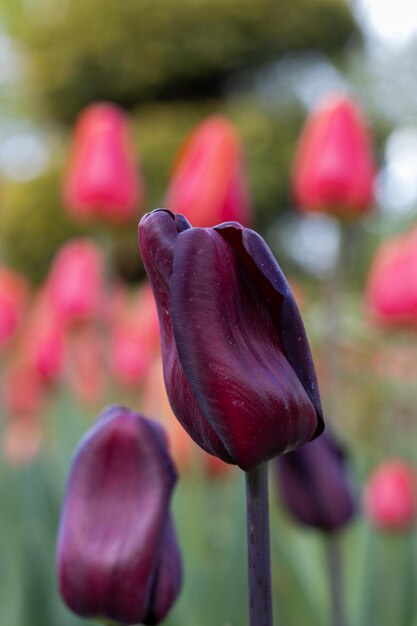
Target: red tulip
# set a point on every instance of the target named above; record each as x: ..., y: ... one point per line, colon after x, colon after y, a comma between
x: 333, y: 170
x: 208, y: 183
x: 391, y: 291
x: 75, y: 284
x: 390, y: 497
x: 102, y: 180
x: 13, y: 299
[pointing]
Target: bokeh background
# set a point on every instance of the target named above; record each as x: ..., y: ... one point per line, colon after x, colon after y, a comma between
x: 171, y: 64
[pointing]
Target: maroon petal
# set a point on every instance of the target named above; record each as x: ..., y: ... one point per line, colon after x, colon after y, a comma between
x: 231, y: 353
x: 315, y: 484
x: 168, y: 577
x: 261, y: 266
x: 158, y: 234
x: 114, y: 518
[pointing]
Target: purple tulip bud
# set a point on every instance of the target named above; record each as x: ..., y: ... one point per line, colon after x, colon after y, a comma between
x: 117, y: 552
x: 237, y: 364
x: 315, y: 484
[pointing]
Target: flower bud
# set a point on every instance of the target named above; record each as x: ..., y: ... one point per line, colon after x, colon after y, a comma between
x: 390, y: 497
x: 315, y: 484
x: 333, y: 169
x: 101, y: 181
x: 208, y: 183
x: 117, y: 553
x: 391, y: 290
x: 237, y: 365
x: 75, y: 283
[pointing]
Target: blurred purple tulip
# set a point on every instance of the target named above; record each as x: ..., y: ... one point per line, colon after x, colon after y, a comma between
x: 315, y: 484
x: 237, y: 364
x: 117, y: 552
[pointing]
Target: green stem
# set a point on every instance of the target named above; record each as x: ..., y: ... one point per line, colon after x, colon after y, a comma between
x: 259, y: 566
x: 334, y: 567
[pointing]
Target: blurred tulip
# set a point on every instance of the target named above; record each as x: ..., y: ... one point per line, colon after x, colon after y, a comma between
x: 43, y: 340
x: 85, y: 365
x: 22, y: 397
x: 389, y: 496
x: 75, y: 283
x: 391, y: 290
x: 315, y: 484
x: 334, y: 170
x: 102, y: 180
x: 135, y: 338
x: 117, y: 553
x: 22, y: 439
x: 22, y: 389
x: 13, y: 300
x: 237, y: 365
x: 208, y: 183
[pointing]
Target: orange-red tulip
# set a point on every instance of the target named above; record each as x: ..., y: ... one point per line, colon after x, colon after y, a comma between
x: 208, y: 183
x: 102, y: 180
x: 333, y: 170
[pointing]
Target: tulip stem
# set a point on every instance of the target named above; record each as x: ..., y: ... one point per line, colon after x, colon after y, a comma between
x: 259, y: 565
x: 334, y: 566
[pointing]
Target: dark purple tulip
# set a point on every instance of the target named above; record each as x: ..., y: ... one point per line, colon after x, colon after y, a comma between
x: 237, y: 364
x: 315, y: 484
x: 117, y: 552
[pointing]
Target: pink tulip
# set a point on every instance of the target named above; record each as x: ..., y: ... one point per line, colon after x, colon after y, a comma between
x: 390, y: 496
x: 391, y: 290
x: 13, y: 299
x: 43, y: 340
x: 208, y: 183
x: 22, y: 389
x: 22, y: 439
x: 102, y: 180
x: 75, y: 284
x: 333, y: 170
x: 135, y: 338
x: 85, y: 361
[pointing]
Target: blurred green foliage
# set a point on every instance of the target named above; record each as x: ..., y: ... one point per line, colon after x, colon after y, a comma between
x: 34, y: 224
x: 135, y: 51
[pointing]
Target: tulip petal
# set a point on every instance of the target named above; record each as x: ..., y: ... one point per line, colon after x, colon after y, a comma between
x: 158, y: 233
x: 261, y: 265
x: 168, y: 578
x: 231, y: 352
